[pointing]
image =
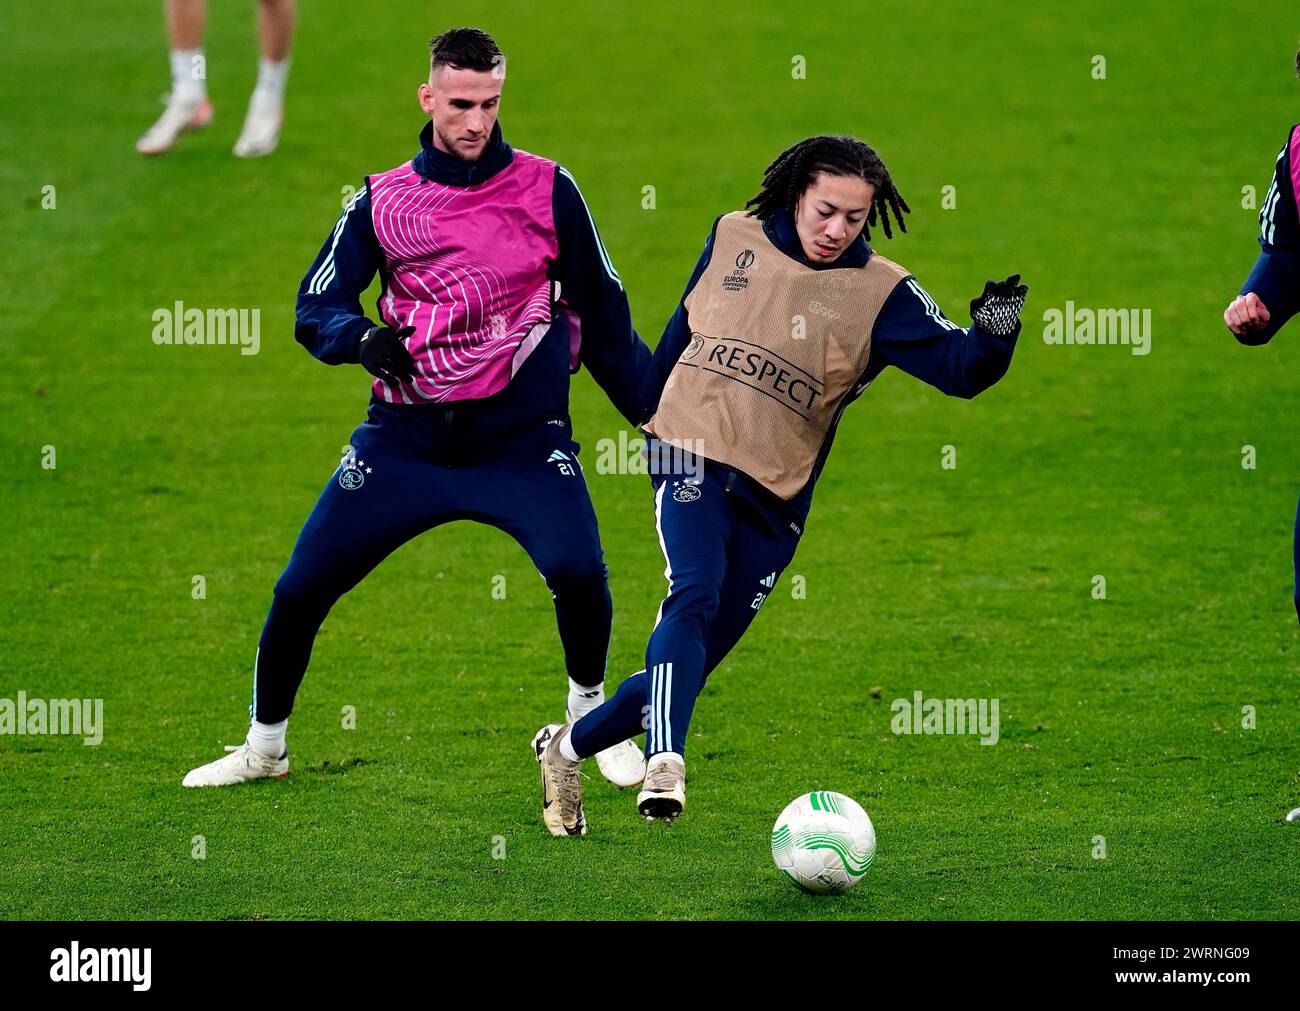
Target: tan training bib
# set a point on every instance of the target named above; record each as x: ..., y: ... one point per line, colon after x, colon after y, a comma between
x: 775, y: 347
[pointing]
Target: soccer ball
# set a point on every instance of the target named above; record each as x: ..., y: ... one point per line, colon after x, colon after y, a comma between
x: 823, y: 842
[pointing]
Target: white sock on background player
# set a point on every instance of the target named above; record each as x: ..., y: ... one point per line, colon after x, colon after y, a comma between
x: 272, y: 76
x: 188, y: 107
x: 189, y: 80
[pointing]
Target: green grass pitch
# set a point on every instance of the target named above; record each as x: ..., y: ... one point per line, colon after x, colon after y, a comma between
x: 1121, y: 718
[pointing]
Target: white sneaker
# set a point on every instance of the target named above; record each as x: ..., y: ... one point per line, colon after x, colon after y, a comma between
x: 261, y: 131
x: 242, y: 764
x: 181, y: 114
x: 623, y: 764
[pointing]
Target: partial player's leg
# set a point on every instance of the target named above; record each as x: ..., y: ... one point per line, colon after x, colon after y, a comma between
x: 375, y: 501
x: 696, y: 525
x: 353, y: 527
x: 1294, y: 813
x: 188, y: 107
x: 756, y: 562
x: 758, y: 552
x: 761, y: 549
x: 1296, y: 559
x: 538, y: 494
x: 693, y: 521
x: 620, y: 718
x: 261, y: 132
x: 755, y: 559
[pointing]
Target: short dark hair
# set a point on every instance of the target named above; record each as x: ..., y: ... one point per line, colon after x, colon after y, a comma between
x: 794, y: 170
x: 464, y: 49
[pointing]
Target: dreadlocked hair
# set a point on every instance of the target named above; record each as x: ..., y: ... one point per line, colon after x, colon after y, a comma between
x: 786, y: 179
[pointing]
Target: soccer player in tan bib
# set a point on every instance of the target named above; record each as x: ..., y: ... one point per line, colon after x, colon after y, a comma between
x: 787, y: 318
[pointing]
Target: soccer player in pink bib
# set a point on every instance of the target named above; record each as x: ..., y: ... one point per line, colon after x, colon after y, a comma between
x: 496, y: 286
x: 1270, y: 295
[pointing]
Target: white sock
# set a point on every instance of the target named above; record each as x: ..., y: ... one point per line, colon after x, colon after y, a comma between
x: 272, y: 76
x: 189, y: 73
x: 566, y: 748
x: 268, y: 738
x: 664, y: 756
x: 583, y: 699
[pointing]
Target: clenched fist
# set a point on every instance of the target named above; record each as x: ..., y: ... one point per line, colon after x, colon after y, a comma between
x: 1246, y: 313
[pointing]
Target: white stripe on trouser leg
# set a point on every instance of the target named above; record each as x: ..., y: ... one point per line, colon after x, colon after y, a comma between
x: 657, y: 715
x: 650, y: 708
x: 658, y: 710
x: 654, y: 706
x: 658, y: 706
x: 668, y: 563
x: 668, y: 708
x: 252, y: 706
x: 653, y: 696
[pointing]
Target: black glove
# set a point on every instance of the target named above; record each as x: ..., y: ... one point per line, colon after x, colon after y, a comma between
x: 997, y: 310
x: 384, y: 355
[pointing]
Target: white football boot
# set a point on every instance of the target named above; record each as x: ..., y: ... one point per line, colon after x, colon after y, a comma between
x: 664, y: 793
x: 561, y: 791
x: 242, y: 764
x: 261, y: 131
x: 623, y: 764
x: 183, y: 112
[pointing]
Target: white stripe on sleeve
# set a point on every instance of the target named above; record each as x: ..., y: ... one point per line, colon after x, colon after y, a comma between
x: 325, y: 272
x: 1268, y: 212
x: 604, y: 256
x: 931, y: 307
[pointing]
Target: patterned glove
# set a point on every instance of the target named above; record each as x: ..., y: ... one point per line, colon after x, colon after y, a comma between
x: 384, y: 354
x: 997, y: 310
